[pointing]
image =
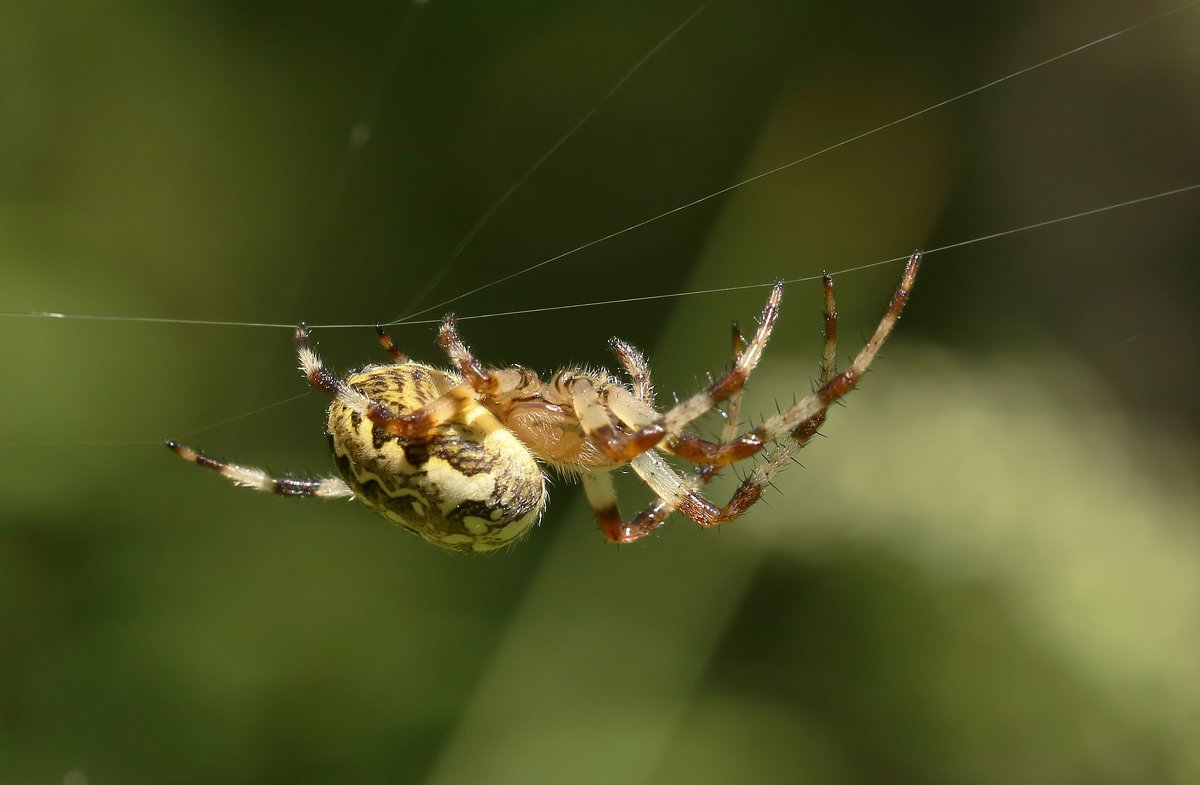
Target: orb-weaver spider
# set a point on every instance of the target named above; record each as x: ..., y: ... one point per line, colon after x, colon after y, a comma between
x: 455, y: 455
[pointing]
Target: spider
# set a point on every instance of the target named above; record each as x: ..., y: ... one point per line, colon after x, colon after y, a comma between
x: 455, y: 455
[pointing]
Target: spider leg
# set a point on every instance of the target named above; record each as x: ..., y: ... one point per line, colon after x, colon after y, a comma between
x: 602, y: 496
x: 799, y: 418
x: 803, y: 417
x: 596, y: 418
x: 635, y: 416
x: 829, y: 355
x: 637, y: 367
x: 493, y: 384
x: 598, y: 487
x: 678, y: 493
x: 675, y: 493
x: 410, y: 425
x: 385, y: 340
x: 746, y: 358
x: 638, y: 410
x: 259, y: 480
x: 620, y: 447
x: 656, y: 513
x: 808, y: 429
x: 481, y: 381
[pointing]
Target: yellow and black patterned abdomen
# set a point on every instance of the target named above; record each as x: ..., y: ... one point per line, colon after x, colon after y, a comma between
x: 471, y: 485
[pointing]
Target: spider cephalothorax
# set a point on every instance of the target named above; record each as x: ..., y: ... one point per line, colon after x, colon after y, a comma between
x: 455, y: 455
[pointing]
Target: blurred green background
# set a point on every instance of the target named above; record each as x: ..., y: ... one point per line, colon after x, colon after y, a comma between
x: 988, y: 573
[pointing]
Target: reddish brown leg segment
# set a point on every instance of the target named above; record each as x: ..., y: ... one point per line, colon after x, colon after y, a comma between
x: 479, y: 379
x: 385, y: 340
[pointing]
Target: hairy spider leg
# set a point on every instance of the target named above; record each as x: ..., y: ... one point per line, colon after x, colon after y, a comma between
x: 636, y: 365
x: 676, y: 493
x: 623, y: 447
x: 413, y: 425
x: 452, y: 344
x: 599, y: 487
x: 260, y: 480
x: 807, y: 429
x: 799, y: 417
x: 489, y: 385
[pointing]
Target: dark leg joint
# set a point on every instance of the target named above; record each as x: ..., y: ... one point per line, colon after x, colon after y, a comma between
x: 692, y: 448
x: 609, y: 521
x: 838, y: 386
x: 707, y: 514
x: 621, y: 448
x: 479, y: 379
x: 292, y: 486
x: 404, y: 426
x: 727, y: 385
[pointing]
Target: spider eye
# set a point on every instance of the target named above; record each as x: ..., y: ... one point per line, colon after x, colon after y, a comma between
x: 469, y: 485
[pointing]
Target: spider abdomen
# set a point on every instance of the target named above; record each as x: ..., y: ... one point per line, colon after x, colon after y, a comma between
x: 469, y: 485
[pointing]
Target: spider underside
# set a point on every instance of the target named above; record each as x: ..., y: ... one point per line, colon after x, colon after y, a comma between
x: 455, y: 455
